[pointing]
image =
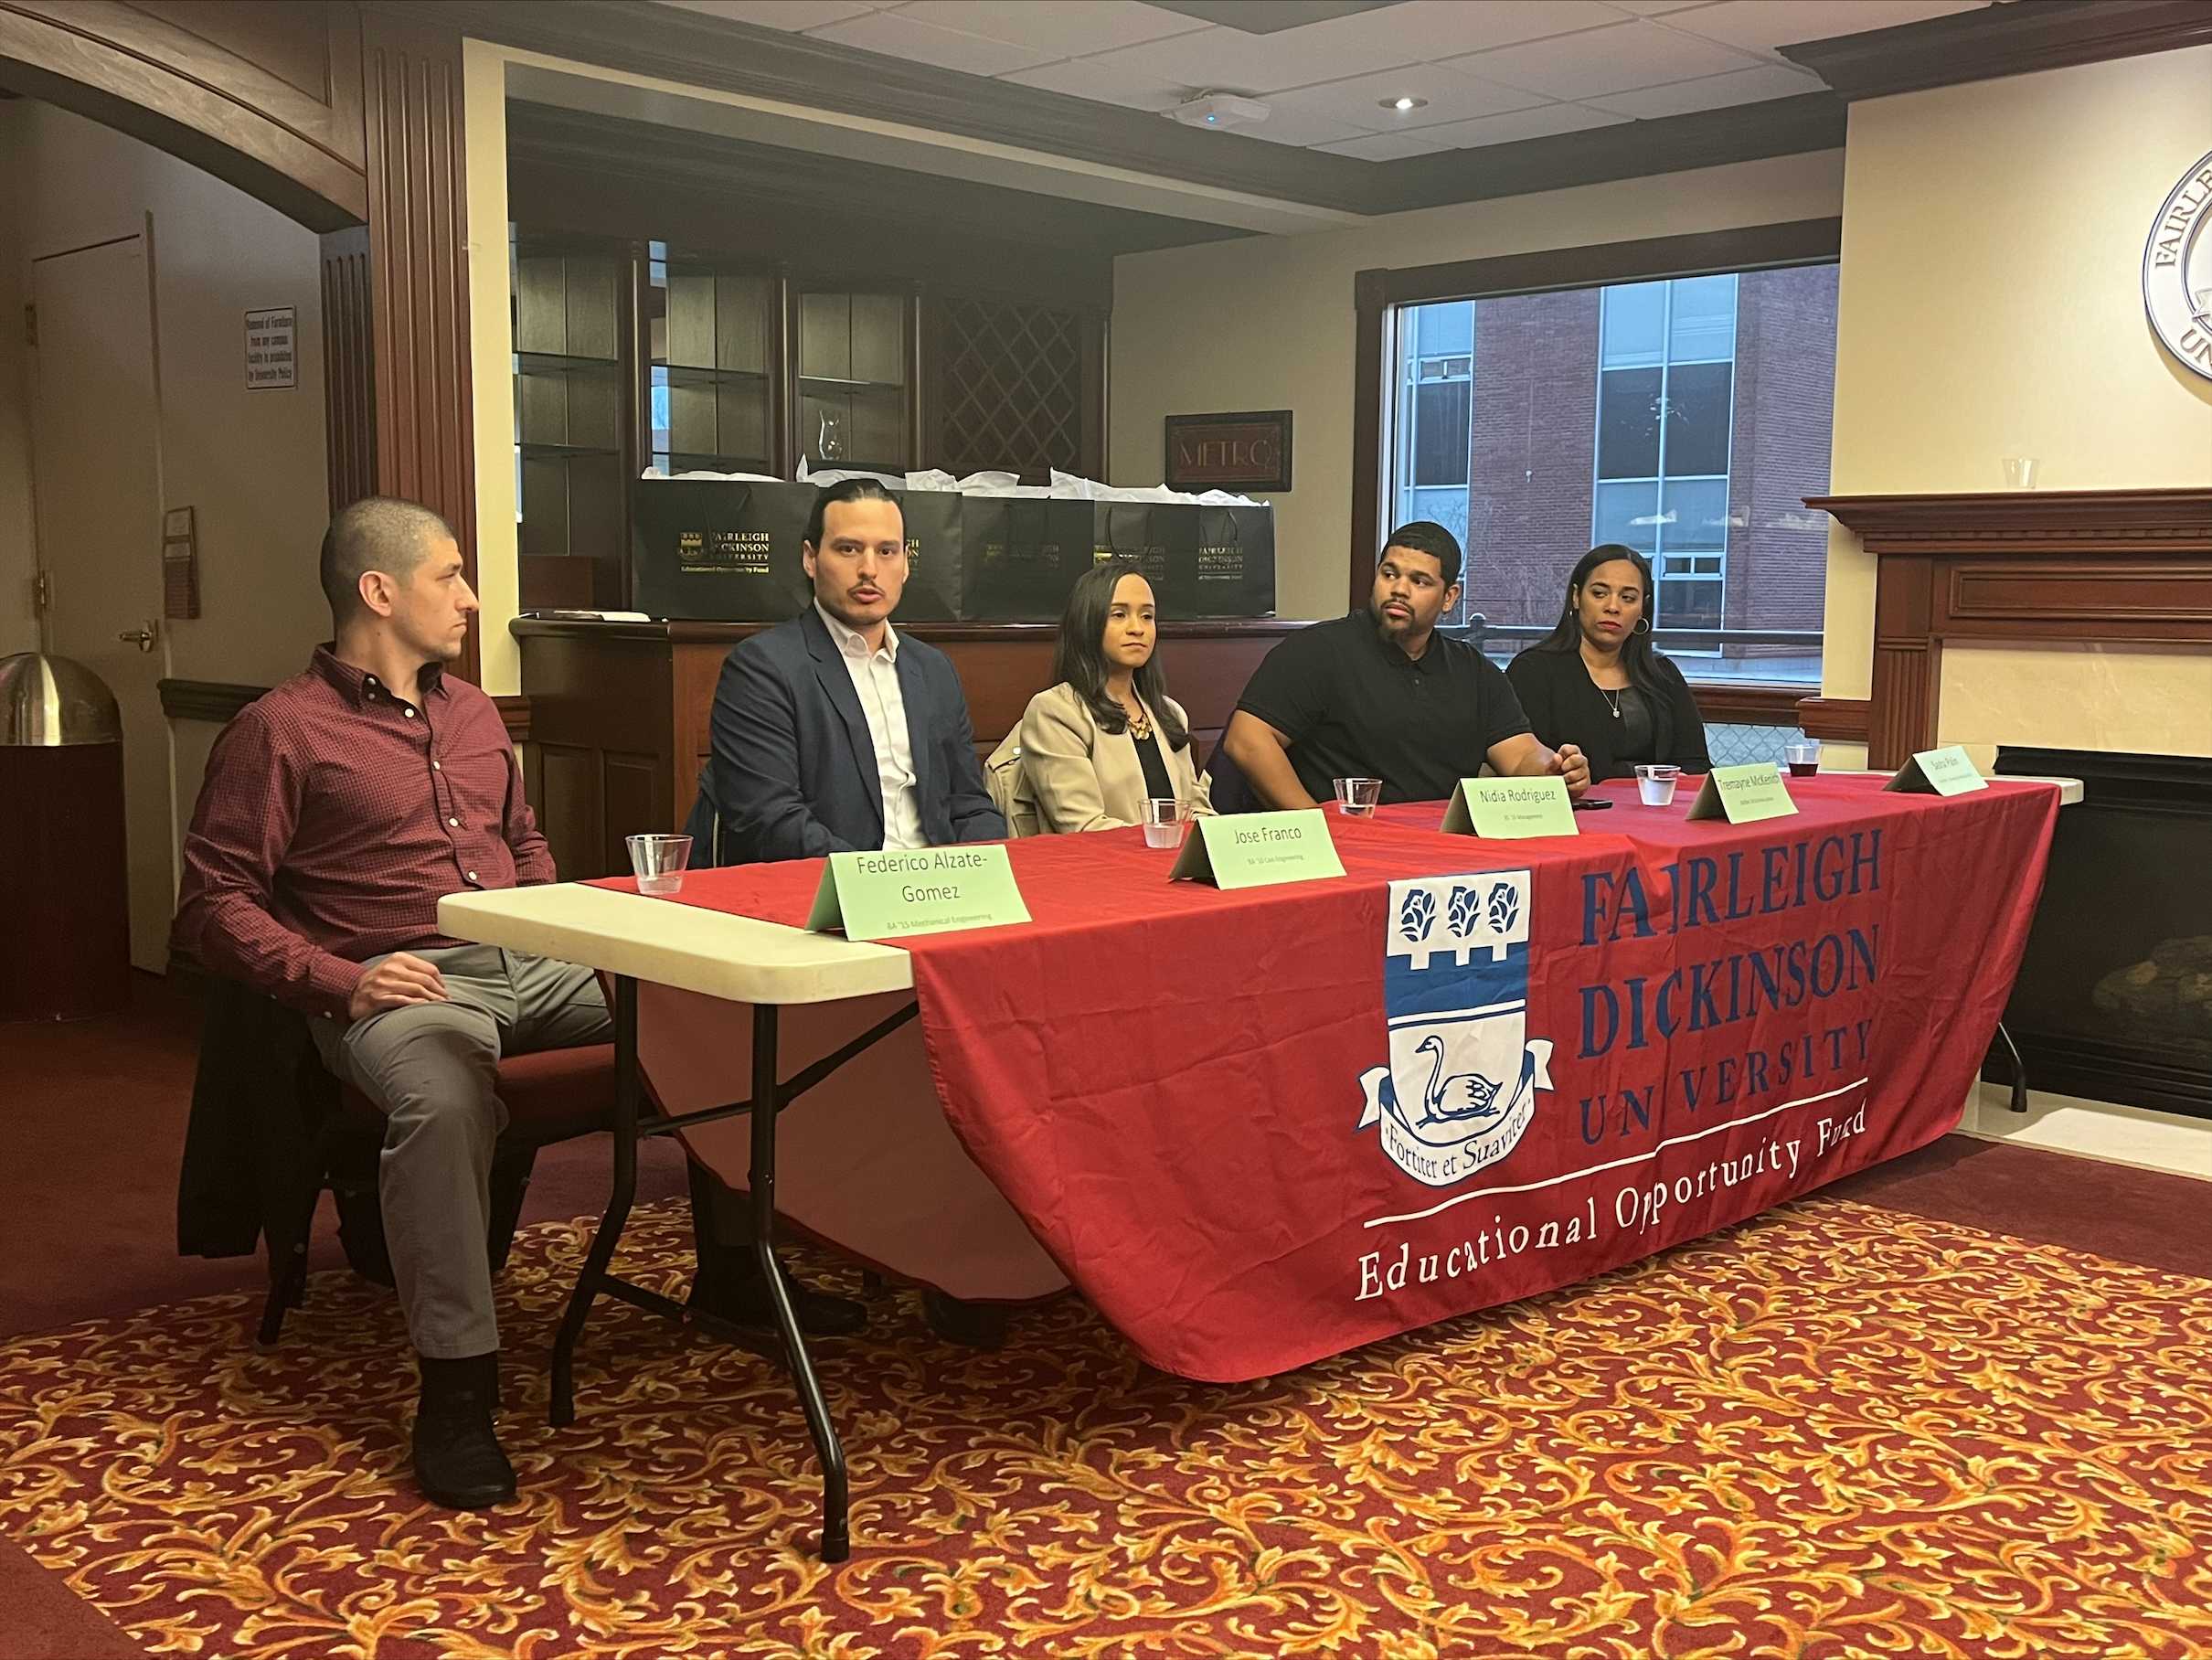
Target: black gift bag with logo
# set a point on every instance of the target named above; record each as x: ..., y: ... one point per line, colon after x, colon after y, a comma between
x: 934, y: 525
x: 1020, y: 556
x: 1235, y: 562
x: 720, y: 551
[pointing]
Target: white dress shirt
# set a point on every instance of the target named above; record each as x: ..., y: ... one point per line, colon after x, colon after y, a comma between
x: 876, y: 682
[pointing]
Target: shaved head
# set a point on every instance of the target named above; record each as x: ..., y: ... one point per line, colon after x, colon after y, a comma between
x: 377, y: 533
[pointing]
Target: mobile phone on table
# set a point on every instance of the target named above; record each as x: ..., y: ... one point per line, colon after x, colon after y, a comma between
x: 1590, y: 803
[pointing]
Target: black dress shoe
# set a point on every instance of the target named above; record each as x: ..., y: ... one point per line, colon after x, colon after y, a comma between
x: 459, y: 1462
x: 734, y: 1290
x: 976, y: 1325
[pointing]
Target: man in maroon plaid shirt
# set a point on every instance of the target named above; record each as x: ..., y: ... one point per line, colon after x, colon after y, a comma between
x: 337, y: 810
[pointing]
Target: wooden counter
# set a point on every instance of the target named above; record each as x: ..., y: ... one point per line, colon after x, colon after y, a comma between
x: 618, y: 710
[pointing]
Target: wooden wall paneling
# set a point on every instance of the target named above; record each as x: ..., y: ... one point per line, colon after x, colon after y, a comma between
x: 265, y: 97
x: 600, y: 719
x: 2056, y: 599
x: 1747, y: 703
x: 696, y: 671
x: 349, y: 367
x: 413, y: 123
x: 2073, y: 565
x: 1908, y: 658
x: 1833, y: 719
x: 210, y: 700
x: 1370, y: 351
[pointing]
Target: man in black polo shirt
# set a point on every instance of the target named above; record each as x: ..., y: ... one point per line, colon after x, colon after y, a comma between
x: 1379, y: 694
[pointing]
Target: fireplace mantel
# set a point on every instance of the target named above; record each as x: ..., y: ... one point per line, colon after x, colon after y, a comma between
x: 2028, y: 565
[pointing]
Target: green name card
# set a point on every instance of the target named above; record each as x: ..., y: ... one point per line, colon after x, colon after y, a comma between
x: 1504, y: 808
x: 1744, y: 796
x: 890, y: 895
x: 1256, y: 849
x: 1945, y: 771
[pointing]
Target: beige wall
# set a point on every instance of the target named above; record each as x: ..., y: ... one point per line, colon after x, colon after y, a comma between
x: 250, y: 463
x: 1992, y: 306
x: 1266, y: 322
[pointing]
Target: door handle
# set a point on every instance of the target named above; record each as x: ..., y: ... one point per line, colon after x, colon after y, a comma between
x: 141, y: 637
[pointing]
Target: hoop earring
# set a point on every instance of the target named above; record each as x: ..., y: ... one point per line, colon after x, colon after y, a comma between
x: 1644, y: 625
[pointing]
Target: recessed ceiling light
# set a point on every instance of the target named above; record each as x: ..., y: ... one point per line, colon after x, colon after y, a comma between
x: 1404, y: 104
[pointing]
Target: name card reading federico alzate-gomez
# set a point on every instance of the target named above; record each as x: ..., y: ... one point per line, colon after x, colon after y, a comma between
x: 1743, y: 796
x: 1506, y: 809
x: 885, y: 896
x: 1255, y: 849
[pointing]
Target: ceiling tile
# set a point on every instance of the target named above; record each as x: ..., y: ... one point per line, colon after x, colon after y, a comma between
x: 1389, y: 146
x: 1543, y: 122
x: 1598, y: 61
x: 1084, y: 77
x: 1430, y: 30
x: 1231, y: 60
x: 896, y: 34
x: 781, y: 13
x: 1066, y: 28
x: 1295, y: 127
x: 1760, y: 25
x: 1711, y: 92
x: 1360, y: 100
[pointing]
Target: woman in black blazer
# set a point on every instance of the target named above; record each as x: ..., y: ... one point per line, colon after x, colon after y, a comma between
x: 1595, y: 682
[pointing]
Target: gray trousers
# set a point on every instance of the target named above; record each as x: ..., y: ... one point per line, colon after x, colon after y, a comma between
x: 433, y: 1070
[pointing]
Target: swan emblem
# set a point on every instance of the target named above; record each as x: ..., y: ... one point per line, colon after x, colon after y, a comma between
x: 1458, y: 1098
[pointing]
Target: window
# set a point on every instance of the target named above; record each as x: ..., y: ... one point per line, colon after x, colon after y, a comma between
x: 1687, y: 418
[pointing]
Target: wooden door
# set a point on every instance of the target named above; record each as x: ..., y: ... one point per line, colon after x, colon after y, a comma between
x: 96, y: 445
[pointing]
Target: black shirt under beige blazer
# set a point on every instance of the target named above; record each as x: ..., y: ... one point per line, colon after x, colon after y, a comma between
x: 1076, y: 776
x: 1565, y: 706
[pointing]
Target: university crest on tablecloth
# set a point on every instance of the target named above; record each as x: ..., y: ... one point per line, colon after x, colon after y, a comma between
x: 1461, y: 1086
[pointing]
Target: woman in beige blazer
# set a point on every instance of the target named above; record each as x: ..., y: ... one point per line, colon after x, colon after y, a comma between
x: 1106, y: 737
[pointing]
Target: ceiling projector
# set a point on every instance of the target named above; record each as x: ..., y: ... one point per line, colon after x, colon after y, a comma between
x: 1218, y: 110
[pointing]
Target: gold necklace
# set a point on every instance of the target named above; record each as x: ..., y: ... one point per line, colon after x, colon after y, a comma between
x: 1139, y: 723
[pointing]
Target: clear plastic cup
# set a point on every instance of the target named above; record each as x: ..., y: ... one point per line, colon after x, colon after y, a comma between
x: 1655, y: 785
x: 1357, y: 797
x: 1803, y: 756
x: 658, y: 862
x: 1164, y: 821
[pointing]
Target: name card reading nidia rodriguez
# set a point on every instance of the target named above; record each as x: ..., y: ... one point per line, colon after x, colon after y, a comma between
x: 890, y: 895
x: 1256, y: 849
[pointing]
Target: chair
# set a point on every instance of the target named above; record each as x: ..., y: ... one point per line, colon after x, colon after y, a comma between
x: 1226, y: 785
x: 270, y: 1130
x: 552, y: 1096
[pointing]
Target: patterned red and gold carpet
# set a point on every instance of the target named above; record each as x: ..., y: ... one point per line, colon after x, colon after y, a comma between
x: 1835, y: 1430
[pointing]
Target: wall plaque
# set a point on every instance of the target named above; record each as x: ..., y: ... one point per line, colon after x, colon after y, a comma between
x: 1249, y: 451
x: 2177, y: 270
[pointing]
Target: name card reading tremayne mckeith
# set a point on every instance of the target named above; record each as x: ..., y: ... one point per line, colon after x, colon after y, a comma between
x: 1255, y: 849
x: 890, y: 895
x: 1744, y: 796
x: 1506, y: 809
x: 1946, y: 772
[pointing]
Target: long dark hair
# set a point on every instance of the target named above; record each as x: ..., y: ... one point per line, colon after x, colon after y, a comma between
x: 1080, y: 659
x: 1636, y: 653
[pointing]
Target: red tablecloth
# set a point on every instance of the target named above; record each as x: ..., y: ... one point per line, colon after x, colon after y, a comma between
x: 1259, y: 1128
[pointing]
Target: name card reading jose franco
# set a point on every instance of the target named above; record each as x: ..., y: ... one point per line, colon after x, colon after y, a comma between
x: 881, y: 896
x: 1256, y: 849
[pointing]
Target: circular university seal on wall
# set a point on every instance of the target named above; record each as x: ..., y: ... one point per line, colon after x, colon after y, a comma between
x: 2177, y: 270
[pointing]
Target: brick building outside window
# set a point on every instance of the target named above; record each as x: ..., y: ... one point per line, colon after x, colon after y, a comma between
x: 1686, y: 417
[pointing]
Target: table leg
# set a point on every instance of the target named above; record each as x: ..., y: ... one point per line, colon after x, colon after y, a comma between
x: 562, y: 1409
x: 2019, y: 1069
x: 836, y: 1539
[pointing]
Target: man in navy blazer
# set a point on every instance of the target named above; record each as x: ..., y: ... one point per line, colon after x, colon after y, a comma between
x: 832, y: 734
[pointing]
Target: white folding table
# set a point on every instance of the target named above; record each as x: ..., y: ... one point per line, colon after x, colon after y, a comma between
x: 632, y: 937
